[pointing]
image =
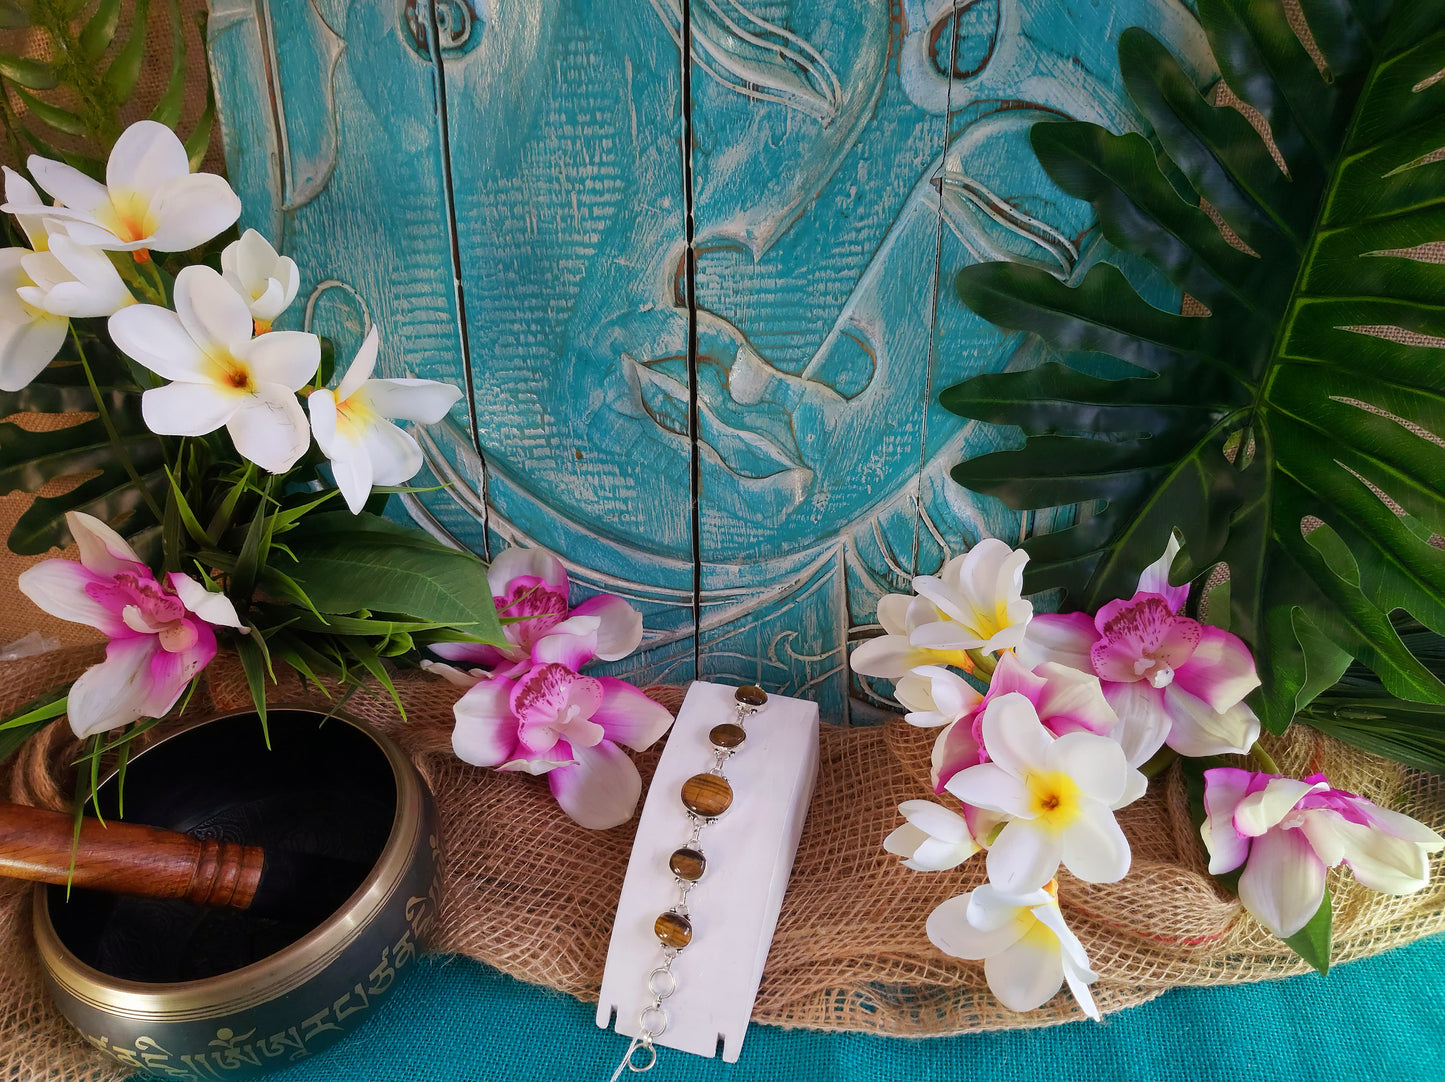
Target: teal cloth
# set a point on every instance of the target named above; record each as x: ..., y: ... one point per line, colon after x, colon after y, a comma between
x: 454, y: 1020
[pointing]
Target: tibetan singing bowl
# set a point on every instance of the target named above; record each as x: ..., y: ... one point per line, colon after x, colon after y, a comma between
x: 187, y: 992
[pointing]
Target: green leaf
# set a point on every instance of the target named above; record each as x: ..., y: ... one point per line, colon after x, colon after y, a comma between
x: 110, y: 497
x: 1312, y: 942
x: 252, y: 557
x: 38, y: 711
x: 99, y: 30
x: 168, y: 109
x: 363, y: 653
x: 347, y: 563
x: 28, y: 72
x: 256, y: 663
x: 1241, y: 427
x: 125, y: 68
x: 187, y: 516
x: 62, y: 120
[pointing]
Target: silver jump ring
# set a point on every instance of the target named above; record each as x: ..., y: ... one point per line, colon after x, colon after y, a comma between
x: 638, y: 1067
x: 648, y: 1028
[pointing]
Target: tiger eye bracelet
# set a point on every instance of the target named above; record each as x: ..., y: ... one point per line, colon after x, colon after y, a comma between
x: 705, y: 797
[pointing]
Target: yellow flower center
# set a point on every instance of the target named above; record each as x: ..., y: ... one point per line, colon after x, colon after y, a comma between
x: 1054, y: 799
x: 231, y: 373
x: 128, y: 216
x: 354, y: 412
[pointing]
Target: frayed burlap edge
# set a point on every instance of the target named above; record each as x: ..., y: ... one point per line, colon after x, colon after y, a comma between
x: 532, y: 894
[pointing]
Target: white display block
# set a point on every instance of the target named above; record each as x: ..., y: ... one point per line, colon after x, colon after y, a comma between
x: 734, y: 907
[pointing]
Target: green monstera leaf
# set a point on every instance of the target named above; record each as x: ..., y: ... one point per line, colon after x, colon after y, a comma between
x: 1281, y: 407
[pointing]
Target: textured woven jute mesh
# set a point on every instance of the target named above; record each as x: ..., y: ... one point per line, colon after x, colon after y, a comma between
x: 531, y: 893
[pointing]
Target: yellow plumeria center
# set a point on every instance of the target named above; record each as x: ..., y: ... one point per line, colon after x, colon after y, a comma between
x: 1053, y: 798
x: 128, y: 216
x: 231, y: 373
x: 354, y: 412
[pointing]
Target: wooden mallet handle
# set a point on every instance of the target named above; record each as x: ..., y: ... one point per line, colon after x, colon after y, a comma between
x: 127, y: 858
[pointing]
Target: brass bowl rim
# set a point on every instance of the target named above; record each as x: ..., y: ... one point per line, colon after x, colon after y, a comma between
x: 279, y: 973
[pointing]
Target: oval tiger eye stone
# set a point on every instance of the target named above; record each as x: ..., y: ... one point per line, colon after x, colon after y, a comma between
x: 687, y: 864
x: 727, y: 736
x: 673, y: 930
x: 707, y: 795
x: 751, y: 695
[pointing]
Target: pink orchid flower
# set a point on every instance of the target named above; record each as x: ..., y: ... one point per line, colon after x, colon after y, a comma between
x: 551, y: 720
x: 530, y: 586
x: 1286, y: 833
x: 1066, y: 701
x: 162, y: 632
x: 1169, y: 678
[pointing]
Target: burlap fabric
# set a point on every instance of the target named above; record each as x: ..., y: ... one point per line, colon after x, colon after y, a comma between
x: 532, y: 894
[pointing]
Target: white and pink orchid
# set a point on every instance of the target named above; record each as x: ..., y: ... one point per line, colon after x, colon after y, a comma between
x: 162, y: 632
x: 354, y: 424
x: 1059, y: 795
x: 552, y: 720
x: 150, y: 198
x: 1287, y: 833
x: 1169, y: 678
x: 1065, y: 700
x: 1027, y: 950
x: 221, y: 374
x: 530, y: 589
x: 933, y: 839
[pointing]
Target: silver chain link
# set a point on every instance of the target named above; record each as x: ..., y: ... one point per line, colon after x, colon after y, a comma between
x: 654, y: 1018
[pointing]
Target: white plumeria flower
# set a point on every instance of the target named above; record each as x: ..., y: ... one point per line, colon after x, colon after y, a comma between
x: 935, y: 696
x: 980, y: 594
x: 1026, y: 948
x: 222, y: 375
x: 150, y: 198
x: 36, y: 226
x: 1060, y: 794
x: 30, y: 337
x: 70, y: 280
x: 266, y: 280
x: 353, y: 424
x: 894, y: 654
x: 934, y: 839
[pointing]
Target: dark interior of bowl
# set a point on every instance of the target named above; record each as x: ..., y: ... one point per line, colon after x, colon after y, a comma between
x: 324, y: 788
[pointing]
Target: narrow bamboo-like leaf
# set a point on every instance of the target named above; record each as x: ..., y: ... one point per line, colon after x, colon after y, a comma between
x: 62, y: 120
x: 28, y: 72
x: 125, y: 68
x: 46, y: 708
x: 362, y: 651
x: 256, y: 663
x: 187, y: 516
x: 168, y: 109
x: 252, y: 556
x: 99, y: 29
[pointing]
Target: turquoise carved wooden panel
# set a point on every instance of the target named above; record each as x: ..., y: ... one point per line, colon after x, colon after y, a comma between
x: 693, y: 266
